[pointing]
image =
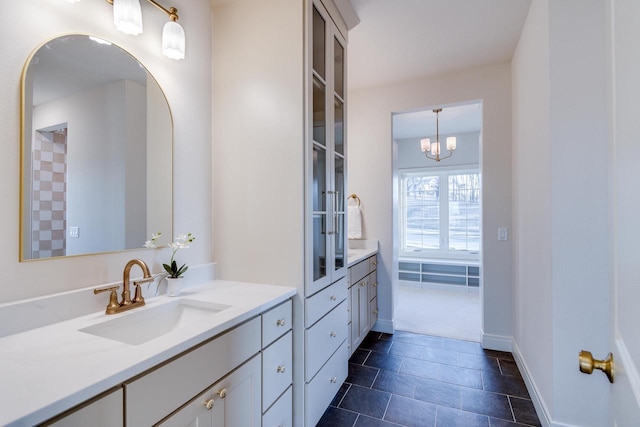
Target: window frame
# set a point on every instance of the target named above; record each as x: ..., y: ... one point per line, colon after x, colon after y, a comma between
x: 443, y: 174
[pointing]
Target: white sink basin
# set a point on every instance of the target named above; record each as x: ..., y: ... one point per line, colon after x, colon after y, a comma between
x: 141, y: 326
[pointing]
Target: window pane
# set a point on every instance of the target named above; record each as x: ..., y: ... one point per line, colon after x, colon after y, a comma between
x: 338, y: 68
x: 318, y: 43
x: 319, y: 117
x: 422, y: 212
x: 338, y: 130
x: 464, y: 212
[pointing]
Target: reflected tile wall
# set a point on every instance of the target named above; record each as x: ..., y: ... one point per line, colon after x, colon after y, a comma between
x: 49, y: 194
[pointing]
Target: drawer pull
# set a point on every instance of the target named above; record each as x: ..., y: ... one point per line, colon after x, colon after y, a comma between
x: 280, y: 322
x: 375, y: 263
x: 375, y: 311
x: 333, y: 297
x: 209, y: 404
x: 334, y: 379
x: 363, y: 283
x: 280, y: 369
x: 375, y: 285
x: 333, y: 334
x: 222, y: 393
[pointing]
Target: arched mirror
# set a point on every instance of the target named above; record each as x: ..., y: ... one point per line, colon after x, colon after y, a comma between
x: 97, y: 143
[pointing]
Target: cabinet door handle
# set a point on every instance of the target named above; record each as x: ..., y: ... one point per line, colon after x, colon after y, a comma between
x: 333, y: 297
x: 209, y: 404
x: 375, y: 311
x: 363, y: 283
x: 333, y: 334
x: 375, y: 263
x: 334, y: 379
x: 280, y: 322
x: 375, y: 285
x: 222, y: 393
x: 280, y: 369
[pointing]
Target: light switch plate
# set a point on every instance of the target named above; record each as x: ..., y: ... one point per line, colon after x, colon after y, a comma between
x: 502, y: 234
x: 74, y: 232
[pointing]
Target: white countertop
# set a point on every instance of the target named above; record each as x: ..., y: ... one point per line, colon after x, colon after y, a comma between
x: 360, y: 250
x: 47, y: 370
x: 356, y: 255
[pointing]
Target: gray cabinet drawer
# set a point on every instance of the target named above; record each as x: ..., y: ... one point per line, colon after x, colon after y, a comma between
x: 323, y: 338
x: 325, y: 385
x: 150, y: 397
x: 322, y: 302
x: 277, y: 368
x: 276, y: 322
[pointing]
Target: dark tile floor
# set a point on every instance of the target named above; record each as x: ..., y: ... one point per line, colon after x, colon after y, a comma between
x: 409, y: 379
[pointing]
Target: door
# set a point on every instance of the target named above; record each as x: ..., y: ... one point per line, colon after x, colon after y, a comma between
x: 237, y: 397
x: 625, y: 393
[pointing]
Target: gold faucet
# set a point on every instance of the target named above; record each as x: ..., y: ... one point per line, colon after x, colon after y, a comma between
x: 127, y: 303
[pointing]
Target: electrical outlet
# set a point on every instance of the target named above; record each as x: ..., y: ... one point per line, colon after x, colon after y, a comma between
x: 74, y: 232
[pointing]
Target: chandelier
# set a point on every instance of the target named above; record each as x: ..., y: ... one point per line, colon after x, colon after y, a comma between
x: 432, y: 149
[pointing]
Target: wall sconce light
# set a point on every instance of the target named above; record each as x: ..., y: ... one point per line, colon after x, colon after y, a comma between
x: 434, y: 147
x: 127, y: 17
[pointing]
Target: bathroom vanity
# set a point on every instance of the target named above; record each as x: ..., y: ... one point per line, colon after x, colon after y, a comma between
x: 220, y: 354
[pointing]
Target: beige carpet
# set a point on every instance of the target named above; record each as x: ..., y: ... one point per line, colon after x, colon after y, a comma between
x: 451, y: 314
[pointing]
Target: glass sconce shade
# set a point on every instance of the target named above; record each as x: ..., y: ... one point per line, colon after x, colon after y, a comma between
x: 173, y: 40
x: 451, y: 143
x: 425, y: 145
x: 127, y: 16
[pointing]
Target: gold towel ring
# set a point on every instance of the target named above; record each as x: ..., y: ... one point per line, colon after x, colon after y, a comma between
x: 354, y: 196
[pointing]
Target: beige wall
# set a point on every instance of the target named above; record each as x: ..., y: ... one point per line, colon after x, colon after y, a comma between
x: 188, y: 89
x: 370, y: 156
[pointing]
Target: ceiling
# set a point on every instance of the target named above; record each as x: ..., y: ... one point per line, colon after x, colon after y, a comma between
x: 403, y: 40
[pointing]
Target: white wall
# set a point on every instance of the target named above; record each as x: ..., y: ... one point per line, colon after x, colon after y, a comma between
x: 532, y: 199
x: 467, y: 152
x: 371, y: 175
x: 561, y: 210
x: 187, y: 85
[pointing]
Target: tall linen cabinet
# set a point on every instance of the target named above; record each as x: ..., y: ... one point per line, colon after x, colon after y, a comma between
x: 279, y: 171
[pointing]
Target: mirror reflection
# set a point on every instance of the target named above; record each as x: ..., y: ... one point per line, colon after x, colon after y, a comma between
x: 96, y: 151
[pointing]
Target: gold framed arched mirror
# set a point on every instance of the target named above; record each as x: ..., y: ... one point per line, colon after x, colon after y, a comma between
x: 96, y: 156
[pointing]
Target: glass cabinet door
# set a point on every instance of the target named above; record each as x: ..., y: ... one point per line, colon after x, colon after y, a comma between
x: 327, y: 152
x: 320, y: 161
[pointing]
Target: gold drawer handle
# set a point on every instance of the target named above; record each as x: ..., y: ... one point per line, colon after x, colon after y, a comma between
x: 209, y: 404
x: 281, y: 322
x: 375, y: 311
x: 363, y: 283
x: 375, y: 285
x: 222, y: 393
x: 334, y: 379
x: 333, y: 334
x: 375, y: 263
x: 280, y: 369
x: 333, y: 297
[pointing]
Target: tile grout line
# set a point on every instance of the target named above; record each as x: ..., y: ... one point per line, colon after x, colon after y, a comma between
x: 513, y: 415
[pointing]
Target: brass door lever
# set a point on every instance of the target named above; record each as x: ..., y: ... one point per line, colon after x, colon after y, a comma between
x: 588, y: 364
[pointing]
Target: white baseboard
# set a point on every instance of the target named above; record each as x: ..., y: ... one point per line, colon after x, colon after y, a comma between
x: 541, y: 408
x: 497, y: 342
x: 383, y: 325
x: 538, y: 402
